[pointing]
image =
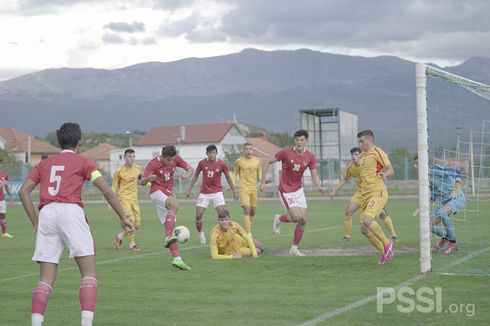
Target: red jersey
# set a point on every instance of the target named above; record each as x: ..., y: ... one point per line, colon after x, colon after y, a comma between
x: 293, y: 167
x: 164, y: 180
x: 211, y: 175
x: 3, y: 176
x: 61, y: 177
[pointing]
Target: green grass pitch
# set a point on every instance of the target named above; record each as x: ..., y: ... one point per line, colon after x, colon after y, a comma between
x: 275, y: 289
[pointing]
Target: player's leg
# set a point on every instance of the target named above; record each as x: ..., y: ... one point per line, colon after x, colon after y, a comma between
x: 118, y: 239
x: 298, y: 215
x: 88, y: 288
x: 42, y: 291
x: 351, y: 208
x: 385, y: 217
x: 3, y: 220
x: 253, y: 208
x: 135, y: 218
x: 259, y: 246
x: 170, y: 241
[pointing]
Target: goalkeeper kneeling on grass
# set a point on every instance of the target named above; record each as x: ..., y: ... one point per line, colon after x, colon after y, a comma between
x: 446, y: 193
x: 229, y: 240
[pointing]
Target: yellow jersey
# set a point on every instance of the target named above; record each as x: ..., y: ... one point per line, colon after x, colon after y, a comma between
x: 371, y: 164
x: 249, y: 170
x: 224, y: 244
x: 126, y: 182
x: 353, y: 171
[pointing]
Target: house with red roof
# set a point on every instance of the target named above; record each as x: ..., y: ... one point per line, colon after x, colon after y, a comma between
x: 25, y: 148
x: 101, y: 156
x: 190, y: 141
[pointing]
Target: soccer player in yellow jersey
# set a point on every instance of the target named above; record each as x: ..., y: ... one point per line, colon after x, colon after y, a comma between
x: 125, y: 183
x: 230, y: 241
x: 249, y: 169
x: 375, y: 167
x: 352, y: 171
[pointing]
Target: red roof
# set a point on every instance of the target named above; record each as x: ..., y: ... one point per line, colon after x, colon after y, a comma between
x: 18, y: 142
x: 167, y: 135
x: 264, y: 148
x: 100, y: 152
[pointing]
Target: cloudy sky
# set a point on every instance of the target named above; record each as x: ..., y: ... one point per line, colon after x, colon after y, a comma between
x: 41, y: 34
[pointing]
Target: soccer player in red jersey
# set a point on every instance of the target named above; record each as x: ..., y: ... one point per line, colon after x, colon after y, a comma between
x: 294, y: 161
x: 62, y: 221
x: 4, y: 184
x: 160, y: 172
x: 211, y: 190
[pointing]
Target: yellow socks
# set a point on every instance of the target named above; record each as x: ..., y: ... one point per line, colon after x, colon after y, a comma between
x: 376, y: 230
x: 347, y: 226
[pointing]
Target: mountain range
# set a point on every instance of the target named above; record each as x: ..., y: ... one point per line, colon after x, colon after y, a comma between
x: 265, y: 89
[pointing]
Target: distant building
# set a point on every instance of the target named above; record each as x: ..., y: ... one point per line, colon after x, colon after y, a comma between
x: 190, y: 140
x: 101, y: 156
x: 25, y: 148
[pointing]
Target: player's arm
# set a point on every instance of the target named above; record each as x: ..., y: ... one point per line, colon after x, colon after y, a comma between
x: 194, y: 180
x: 268, y: 163
x: 230, y: 183
x: 316, y: 180
x: 148, y: 175
x: 259, y: 171
x: 249, y: 240
x: 387, y: 171
x: 7, y: 190
x: 236, y: 172
x: 24, y: 194
x: 115, y: 181
x: 339, y: 185
x: 110, y: 196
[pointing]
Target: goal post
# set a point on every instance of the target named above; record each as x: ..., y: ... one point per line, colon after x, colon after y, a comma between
x: 453, y: 114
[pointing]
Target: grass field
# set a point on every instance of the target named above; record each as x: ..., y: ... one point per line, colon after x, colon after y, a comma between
x: 275, y: 289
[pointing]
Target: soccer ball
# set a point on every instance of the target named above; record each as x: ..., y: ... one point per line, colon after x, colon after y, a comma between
x: 181, y: 233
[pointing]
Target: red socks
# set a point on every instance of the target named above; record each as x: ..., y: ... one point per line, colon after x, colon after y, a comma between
x: 298, y: 234
x: 169, y: 228
x: 40, y: 298
x: 88, y: 294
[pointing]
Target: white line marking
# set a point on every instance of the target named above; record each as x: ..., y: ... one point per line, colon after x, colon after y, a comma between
x: 362, y: 302
x: 148, y: 254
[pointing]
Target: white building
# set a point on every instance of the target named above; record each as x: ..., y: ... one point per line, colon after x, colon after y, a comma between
x: 190, y: 140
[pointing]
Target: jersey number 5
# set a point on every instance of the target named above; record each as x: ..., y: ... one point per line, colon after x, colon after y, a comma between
x: 56, y: 179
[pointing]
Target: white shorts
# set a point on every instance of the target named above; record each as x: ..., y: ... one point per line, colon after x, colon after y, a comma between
x: 62, y: 225
x: 3, y: 207
x: 293, y: 199
x: 217, y: 198
x: 159, y: 199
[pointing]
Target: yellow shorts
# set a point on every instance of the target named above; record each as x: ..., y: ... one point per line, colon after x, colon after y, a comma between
x: 132, y: 209
x: 357, y: 198
x: 373, y: 202
x: 248, y: 197
x: 239, y: 245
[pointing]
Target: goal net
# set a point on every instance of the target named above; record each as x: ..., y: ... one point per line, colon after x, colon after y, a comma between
x: 453, y: 128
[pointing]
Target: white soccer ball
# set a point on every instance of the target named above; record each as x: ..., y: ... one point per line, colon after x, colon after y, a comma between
x: 182, y: 234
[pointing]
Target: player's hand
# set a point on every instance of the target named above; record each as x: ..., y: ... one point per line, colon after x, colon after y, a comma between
x: 11, y: 200
x: 267, y: 181
x: 237, y: 255
x: 188, y: 194
x: 331, y: 194
x: 454, y: 193
x: 235, y: 196
x: 261, y: 187
x: 127, y: 225
x: 4, y: 183
x: 151, y: 177
x: 416, y: 212
x: 321, y: 190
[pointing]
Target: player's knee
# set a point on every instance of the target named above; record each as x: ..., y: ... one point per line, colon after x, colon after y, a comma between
x: 366, y: 220
x: 364, y: 229
x: 252, y: 212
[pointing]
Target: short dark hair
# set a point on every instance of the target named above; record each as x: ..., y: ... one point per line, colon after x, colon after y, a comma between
x: 223, y: 214
x: 415, y: 157
x: 69, y: 135
x: 128, y: 151
x: 247, y: 144
x: 211, y: 148
x: 169, y: 151
x: 355, y: 150
x: 366, y: 132
x: 300, y: 133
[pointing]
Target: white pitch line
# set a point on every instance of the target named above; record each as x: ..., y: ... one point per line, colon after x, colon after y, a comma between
x: 148, y: 254
x: 362, y: 302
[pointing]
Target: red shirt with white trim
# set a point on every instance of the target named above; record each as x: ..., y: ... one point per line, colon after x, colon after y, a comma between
x: 164, y: 180
x: 211, y: 175
x: 293, y: 167
x: 61, y: 177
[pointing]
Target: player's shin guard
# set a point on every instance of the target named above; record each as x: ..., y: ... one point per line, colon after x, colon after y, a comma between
x: 169, y: 228
x: 375, y: 242
x: 347, y: 226
x: 88, y: 294
x: 248, y: 223
x: 376, y: 230
x: 298, y: 234
x: 40, y: 298
x: 199, y: 224
x: 3, y: 224
x: 389, y: 225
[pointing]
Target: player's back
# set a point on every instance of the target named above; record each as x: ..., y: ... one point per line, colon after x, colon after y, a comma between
x: 61, y: 177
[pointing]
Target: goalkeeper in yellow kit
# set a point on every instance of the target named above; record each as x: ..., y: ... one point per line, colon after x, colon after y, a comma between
x: 125, y: 183
x: 249, y: 169
x: 230, y: 241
